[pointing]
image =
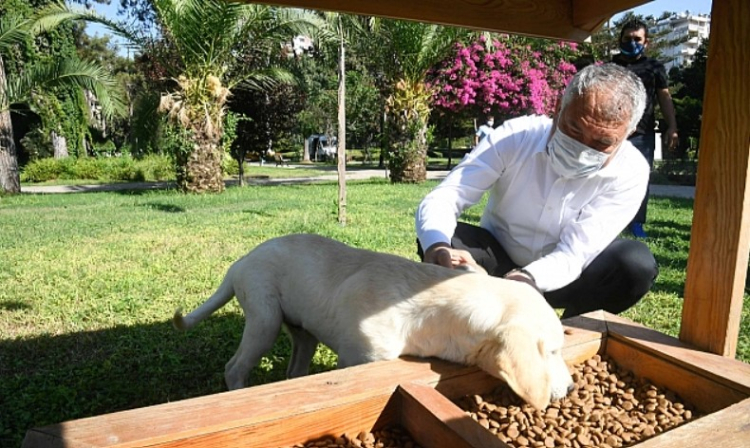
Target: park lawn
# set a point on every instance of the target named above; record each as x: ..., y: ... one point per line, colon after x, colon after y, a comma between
x: 89, y: 282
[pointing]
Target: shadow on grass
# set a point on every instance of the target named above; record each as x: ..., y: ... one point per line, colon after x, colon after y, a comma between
x: 55, y: 378
x: 167, y: 208
x: 13, y: 305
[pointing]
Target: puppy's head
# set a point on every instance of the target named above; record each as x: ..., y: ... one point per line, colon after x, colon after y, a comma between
x: 529, y: 362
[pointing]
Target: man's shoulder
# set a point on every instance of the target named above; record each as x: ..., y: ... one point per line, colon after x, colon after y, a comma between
x: 529, y: 121
x: 643, y: 61
x: 631, y: 160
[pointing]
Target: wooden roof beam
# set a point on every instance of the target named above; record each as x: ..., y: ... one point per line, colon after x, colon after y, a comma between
x: 571, y: 20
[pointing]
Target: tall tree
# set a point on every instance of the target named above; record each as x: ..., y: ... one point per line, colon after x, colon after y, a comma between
x: 41, y: 78
x: 336, y: 36
x: 408, y: 51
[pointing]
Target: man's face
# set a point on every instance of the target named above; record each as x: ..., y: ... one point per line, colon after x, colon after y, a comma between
x: 583, y: 120
x: 638, y: 36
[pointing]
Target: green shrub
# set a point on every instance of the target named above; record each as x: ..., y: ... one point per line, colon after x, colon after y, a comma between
x: 156, y: 167
x: 41, y: 170
x: 85, y: 168
x: 103, y: 169
x: 229, y: 166
x: 123, y: 169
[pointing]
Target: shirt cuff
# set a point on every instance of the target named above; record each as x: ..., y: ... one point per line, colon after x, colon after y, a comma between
x: 430, y: 237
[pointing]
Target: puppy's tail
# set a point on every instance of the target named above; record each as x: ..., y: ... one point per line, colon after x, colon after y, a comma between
x: 221, y: 297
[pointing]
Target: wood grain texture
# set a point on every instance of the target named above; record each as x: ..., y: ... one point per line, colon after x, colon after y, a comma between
x: 726, y: 371
x: 697, y: 389
x: 728, y: 428
x: 228, y: 412
x: 434, y: 421
x: 720, y: 242
x: 543, y: 18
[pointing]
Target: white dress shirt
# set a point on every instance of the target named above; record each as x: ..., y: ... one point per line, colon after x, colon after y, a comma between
x: 552, y: 226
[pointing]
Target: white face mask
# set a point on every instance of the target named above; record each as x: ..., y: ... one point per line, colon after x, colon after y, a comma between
x: 571, y: 158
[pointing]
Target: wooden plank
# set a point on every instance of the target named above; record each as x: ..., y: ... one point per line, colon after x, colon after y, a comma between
x: 729, y: 372
x: 226, y: 412
x: 351, y: 418
x: 585, y: 336
x: 434, y: 421
x: 700, y: 390
x: 587, y: 12
x: 543, y: 18
x: 727, y: 428
x: 720, y: 241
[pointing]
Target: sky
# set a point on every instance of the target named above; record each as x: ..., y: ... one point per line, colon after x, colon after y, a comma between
x: 654, y: 8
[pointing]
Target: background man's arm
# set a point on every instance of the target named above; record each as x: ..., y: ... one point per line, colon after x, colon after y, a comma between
x: 667, y: 109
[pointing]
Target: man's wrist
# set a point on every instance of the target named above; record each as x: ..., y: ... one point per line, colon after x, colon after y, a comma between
x: 524, y: 276
x: 521, y: 271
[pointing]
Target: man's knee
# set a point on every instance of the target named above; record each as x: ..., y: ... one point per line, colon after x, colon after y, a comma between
x: 639, y: 265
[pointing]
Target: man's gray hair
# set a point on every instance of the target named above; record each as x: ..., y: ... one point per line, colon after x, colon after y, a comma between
x: 627, y: 94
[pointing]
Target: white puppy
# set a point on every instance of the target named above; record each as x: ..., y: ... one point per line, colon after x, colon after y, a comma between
x: 368, y: 306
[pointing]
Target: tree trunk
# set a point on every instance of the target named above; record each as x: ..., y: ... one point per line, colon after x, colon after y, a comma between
x: 450, y: 142
x: 341, y: 150
x: 409, y: 111
x: 306, y: 150
x: 201, y: 171
x: 241, y: 170
x: 10, y: 179
x: 59, y: 145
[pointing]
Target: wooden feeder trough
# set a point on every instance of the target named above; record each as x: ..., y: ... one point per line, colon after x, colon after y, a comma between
x: 417, y: 395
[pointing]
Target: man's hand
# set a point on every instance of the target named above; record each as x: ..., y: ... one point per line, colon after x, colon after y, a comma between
x: 442, y: 254
x: 672, y: 138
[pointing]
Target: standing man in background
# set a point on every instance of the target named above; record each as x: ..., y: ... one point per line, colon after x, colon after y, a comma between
x: 484, y: 130
x: 633, y: 44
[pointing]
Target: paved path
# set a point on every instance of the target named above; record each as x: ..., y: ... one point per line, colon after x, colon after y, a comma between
x: 351, y: 174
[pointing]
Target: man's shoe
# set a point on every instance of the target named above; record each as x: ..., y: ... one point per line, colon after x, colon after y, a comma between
x: 636, y: 229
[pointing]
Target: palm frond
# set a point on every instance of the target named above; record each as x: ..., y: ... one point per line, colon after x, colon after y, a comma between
x: 13, y: 30
x: 266, y: 79
x: 44, y: 78
x: 202, y: 31
x: 55, y: 14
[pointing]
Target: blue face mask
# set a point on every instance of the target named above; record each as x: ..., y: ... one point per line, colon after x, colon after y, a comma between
x: 631, y: 48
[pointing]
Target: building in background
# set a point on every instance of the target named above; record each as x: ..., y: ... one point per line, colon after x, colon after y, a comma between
x: 686, y: 31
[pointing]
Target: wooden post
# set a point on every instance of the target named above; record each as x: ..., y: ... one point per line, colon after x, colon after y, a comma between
x: 720, y: 242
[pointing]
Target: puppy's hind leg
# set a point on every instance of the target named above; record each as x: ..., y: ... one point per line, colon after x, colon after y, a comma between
x: 258, y: 337
x: 304, y: 345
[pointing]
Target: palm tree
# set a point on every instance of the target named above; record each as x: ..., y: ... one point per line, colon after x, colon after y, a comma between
x: 409, y: 50
x: 209, y: 37
x: 42, y: 79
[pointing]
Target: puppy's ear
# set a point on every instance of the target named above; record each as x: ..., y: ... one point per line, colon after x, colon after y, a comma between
x: 518, y: 359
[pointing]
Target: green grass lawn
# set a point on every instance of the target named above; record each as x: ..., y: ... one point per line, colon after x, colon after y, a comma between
x: 88, y: 284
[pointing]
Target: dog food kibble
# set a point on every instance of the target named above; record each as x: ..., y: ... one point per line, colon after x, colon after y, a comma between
x: 391, y: 437
x: 608, y: 408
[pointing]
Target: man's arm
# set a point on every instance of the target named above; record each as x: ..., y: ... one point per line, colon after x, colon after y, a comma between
x: 667, y: 109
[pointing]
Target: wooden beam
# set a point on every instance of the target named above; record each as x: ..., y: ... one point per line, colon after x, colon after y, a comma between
x: 720, y: 242
x: 587, y: 12
x: 543, y: 18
